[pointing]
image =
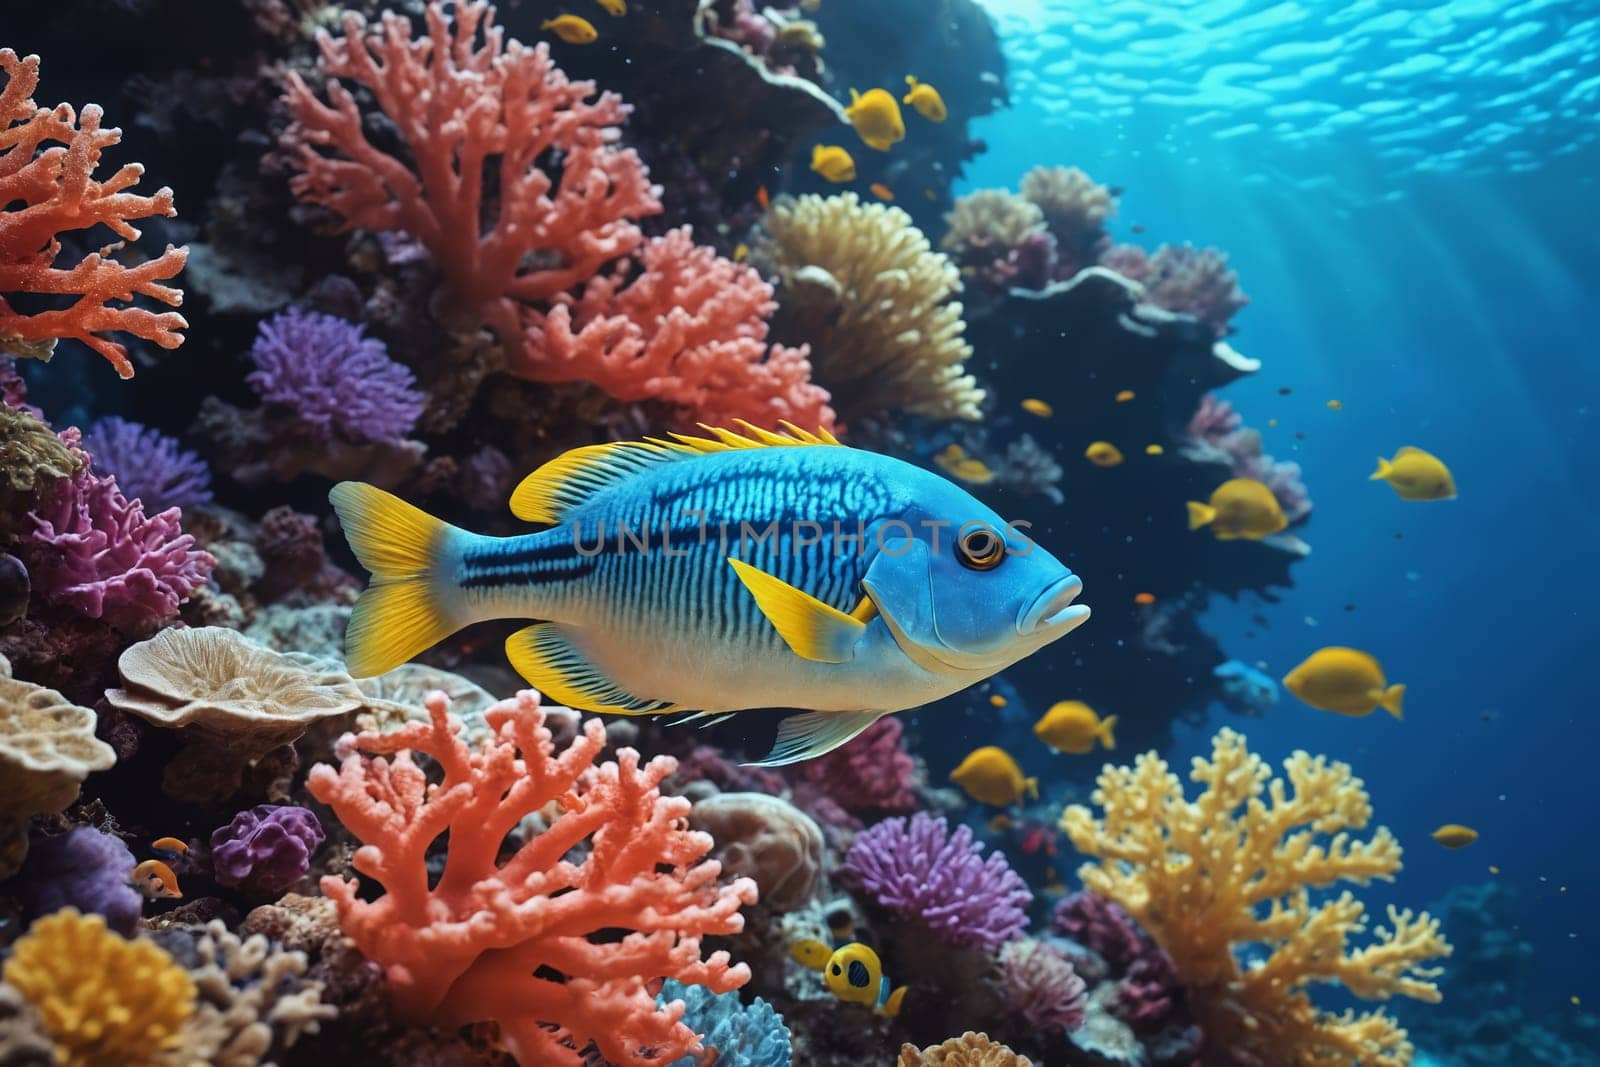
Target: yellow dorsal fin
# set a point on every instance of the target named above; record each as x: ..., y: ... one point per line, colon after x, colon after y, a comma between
x: 722, y: 439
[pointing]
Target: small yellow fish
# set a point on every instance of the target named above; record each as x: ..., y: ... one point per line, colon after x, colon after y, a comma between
x: 1240, y: 507
x: 1103, y: 454
x: 881, y: 191
x: 973, y: 471
x: 155, y: 879
x: 1336, y: 405
x: 1073, y: 726
x: 1416, y: 475
x: 615, y: 8
x: 1272, y: 424
x: 990, y: 776
x: 1154, y: 450
x: 1144, y: 599
x: 833, y: 163
x: 926, y: 99
x: 855, y: 974
x: 169, y: 847
x: 811, y: 952
x: 876, y: 118
x: 741, y: 252
x: 1034, y: 406
x: 997, y: 701
x: 1125, y: 396
x: 1454, y: 835
x: 573, y: 29
x: 1345, y: 680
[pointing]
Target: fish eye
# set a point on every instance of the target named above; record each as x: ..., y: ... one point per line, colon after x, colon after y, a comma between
x: 837, y: 969
x: 980, y: 549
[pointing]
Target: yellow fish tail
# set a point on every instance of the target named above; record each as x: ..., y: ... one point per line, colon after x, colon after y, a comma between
x: 399, y: 614
x: 1032, y: 786
x: 1385, y: 468
x: 1392, y: 700
x: 1105, y: 734
x: 891, y: 1007
x: 1200, y: 514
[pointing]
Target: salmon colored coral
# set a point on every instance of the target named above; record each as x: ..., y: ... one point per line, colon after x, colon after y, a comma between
x: 531, y: 943
x: 1234, y: 867
x: 48, y: 157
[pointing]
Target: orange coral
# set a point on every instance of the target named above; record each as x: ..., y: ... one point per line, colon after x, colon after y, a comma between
x: 1235, y: 867
x: 532, y: 943
x: 47, y: 188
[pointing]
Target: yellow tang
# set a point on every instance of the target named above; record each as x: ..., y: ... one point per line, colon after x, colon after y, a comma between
x: 833, y: 163
x: 1073, y: 726
x: 1154, y: 450
x: 876, y: 118
x: 990, y: 776
x: 1345, y: 680
x: 1103, y: 454
x: 1416, y: 475
x: 1240, y: 507
x: 972, y: 471
x: 616, y: 8
x: 996, y: 700
x: 926, y: 99
x: 572, y: 29
x: 1125, y: 396
x: 1034, y: 406
x: 1454, y: 835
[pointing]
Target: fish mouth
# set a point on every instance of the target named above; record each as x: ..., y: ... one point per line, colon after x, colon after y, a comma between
x: 1054, y: 607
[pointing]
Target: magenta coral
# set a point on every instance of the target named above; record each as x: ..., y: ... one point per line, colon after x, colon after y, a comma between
x: 531, y: 943
x: 922, y: 872
x: 462, y: 104
x: 1040, y: 985
x: 1147, y: 980
x: 48, y: 157
x: 874, y: 772
x: 93, y: 550
x: 688, y: 328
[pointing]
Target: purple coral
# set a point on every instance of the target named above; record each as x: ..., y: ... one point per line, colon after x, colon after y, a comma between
x: 265, y: 849
x: 83, y: 869
x: 921, y: 871
x: 96, y: 551
x: 874, y: 772
x: 1195, y: 281
x: 149, y: 466
x: 1040, y: 985
x: 339, y: 383
x: 1218, y: 427
x: 1147, y: 980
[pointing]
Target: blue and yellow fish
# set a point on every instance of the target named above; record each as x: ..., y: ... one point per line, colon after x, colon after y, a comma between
x: 853, y: 973
x: 745, y: 569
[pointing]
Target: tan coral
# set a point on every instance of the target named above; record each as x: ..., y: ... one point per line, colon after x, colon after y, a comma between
x: 863, y: 286
x: 767, y: 839
x: 993, y: 220
x: 32, y: 458
x: 232, y: 700
x: 253, y: 997
x: 968, y: 1050
x: 47, y: 749
x: 395, y: 698
x: 1075, y: 208
x: 1235, y: 867
x: 302, y: 923
x: 23, y: 1042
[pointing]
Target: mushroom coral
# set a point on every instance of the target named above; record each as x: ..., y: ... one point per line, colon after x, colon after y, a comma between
x: 47, y: 749
x: 563, y: 943
x: 1235, y: 867
x: 862, y: 285
x: 232, y: 700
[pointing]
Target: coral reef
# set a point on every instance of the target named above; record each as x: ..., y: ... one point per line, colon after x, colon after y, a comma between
x: 33, y: 460
x: 148, y: 466
x: 1235, y: 867
x: 1195, y: 281
x: 22, y: 1039
x: 85, y: 869
x: 986, y: 231
x: 873, y: 773
x: 1041, y: 986
x: 1217, y: 433
x: 1074, y: 208
x: 266, y: 849
x: 767, y: 840
x: 751, y: 1035
x: 968, y: 1050
x: 475, y: 945
x: 1147, y: 983
x: 48, y: 158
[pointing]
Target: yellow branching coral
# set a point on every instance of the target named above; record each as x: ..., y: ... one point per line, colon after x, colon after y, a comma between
x: 1235, y: 867
x: 103, y: 1000
x: 862, y: 285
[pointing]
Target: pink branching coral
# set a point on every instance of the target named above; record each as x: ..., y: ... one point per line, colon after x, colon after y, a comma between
x: 690, y: 329
x: 93, y: 550
x: 1040, y: 985
x: 531, y: 943
x: 1196, y: 281
x: 874, y: 772
x: 459, y: 100
x: 48, y: 157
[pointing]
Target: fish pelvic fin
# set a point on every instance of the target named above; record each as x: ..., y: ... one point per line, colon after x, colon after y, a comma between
x: 546, y: 656
x: 401, y: 613
x: 1200, y: 514
x: 891, y: 1007
x: 815, y: 733
x: 812, y: 630
x: 1385, y: 468
x: 1392, y: 700
x: 1105, y: 734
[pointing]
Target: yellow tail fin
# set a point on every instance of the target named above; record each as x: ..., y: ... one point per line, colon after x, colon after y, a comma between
x: 1393, y: 700
x: 399, y: 615
x: 1107, y: 738
x: 1200, y: 514
x: 1384, y: 467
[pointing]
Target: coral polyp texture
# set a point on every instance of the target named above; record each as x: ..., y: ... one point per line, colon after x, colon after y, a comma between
x: 148, y: 465
x: 526, y: 943
x: 968, y: 1050
x: 267, y: 848
x: 48, y: 189
x: 1236, y: 867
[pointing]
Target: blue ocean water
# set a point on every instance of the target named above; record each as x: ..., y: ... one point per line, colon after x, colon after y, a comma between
x: 1406, y: 191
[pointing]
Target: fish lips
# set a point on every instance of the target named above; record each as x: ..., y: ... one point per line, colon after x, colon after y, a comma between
x: 1054, y: 608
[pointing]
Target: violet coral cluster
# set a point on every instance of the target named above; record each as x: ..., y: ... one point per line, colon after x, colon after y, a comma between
x: 266, y: 849
x: 48, y: 158
x: 1235, y: 867
x: 1218, y: 431
x: 149, y: 466
x: 873, y: 772
x: 529, y: 942
x: 922, y: 872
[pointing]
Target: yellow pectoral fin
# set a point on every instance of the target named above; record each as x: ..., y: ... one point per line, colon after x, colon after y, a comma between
x: 812, y: 629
